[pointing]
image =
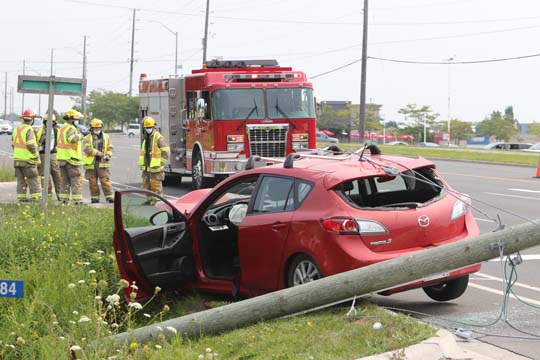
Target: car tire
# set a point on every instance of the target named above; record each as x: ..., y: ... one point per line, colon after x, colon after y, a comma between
x: 198, y: 181
x: 302, y: 269
x: 448, y: 290
x: 172, y: 180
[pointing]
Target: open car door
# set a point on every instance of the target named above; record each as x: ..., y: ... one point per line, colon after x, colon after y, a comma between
x: 152, y: 243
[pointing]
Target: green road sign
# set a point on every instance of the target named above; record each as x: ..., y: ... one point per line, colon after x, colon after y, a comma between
x: 40, y: 85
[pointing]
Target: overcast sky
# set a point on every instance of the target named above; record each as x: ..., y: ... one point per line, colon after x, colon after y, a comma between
x: 309, y: 35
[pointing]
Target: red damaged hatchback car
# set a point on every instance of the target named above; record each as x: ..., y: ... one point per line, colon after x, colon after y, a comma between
x: 282, y: 225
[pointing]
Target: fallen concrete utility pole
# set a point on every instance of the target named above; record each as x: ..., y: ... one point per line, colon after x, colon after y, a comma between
x: 344, y: 286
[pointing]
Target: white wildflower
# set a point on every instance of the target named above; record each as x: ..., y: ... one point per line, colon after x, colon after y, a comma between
x: 157, y: 346
x: 75, y: 312
x: 147, y: 315
x: 114, y: 325
x: 71, y: 286
x: 159, y: 328
x: 100, y: 251
x: 208, y: 350
x: 201, y: 357
x: 86, y: 263
x: 81, y: 281
x: 171, y: 329
x: 135, y: 305
x: 112, y: 299
x: 92, y: 272
x: 61, y: 338
x: 84, y: 319
x: 75, y: 348
x: 134, y: 287
x: 98, y: 297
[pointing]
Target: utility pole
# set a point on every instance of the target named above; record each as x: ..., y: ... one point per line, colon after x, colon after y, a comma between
x: 176, y: 53
x: 205, y: 39
x: 5, y: 96
x: 11, y: 100
x: 52, y: 60
x: 449, y: 62
x: 341, y: 287
x: 23, y: 71
x: 362, y: 114
x: 83, y: 99
x: 132, y: 50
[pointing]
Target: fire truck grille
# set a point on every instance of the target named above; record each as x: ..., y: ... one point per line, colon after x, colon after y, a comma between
x: 268, y: 141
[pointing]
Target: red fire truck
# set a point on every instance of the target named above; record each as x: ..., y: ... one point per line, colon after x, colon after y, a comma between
x: 217, y: 117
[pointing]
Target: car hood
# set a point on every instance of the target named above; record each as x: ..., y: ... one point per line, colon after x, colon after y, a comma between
x: 186, y: 203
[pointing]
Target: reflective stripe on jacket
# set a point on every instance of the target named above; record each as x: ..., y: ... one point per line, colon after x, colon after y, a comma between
x: 89, y: 158
x: 69, y: 148
x: 156, y: 162
x: 20, y: 145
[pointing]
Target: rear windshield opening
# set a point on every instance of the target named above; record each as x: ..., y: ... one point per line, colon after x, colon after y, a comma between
x: 408, y: 189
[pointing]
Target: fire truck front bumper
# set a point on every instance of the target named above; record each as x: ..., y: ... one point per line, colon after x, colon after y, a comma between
x: 224, y: 163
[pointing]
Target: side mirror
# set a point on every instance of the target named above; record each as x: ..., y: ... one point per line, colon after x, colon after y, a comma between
x: 160, y: 218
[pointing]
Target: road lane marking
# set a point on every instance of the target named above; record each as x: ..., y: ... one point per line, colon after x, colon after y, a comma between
x: 499, y: 292
x: 514, y: 196
x: 491, y: 277
x: 490, y: 178
x: 526, y: 190
x: 486, y: 220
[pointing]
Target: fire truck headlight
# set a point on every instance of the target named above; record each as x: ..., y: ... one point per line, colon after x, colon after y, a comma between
x: 297, y: 145
x: 235, y: 147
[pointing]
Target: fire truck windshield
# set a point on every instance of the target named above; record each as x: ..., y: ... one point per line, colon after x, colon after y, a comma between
x: 291, y: 103
x: 234, y: 104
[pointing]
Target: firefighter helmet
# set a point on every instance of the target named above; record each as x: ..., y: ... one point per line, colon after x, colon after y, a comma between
x: 96, y: 123
x: 28, y: 114
x: 72, y: 114
x: 46, y: 117
x: 148, y: 122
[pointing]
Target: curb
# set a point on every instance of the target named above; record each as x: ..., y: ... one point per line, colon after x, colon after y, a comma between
x: 444, y: 346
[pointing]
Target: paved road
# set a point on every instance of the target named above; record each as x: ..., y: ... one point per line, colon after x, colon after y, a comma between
x: 506, y: 191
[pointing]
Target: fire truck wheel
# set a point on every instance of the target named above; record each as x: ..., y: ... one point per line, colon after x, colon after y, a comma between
x: 198, y: 181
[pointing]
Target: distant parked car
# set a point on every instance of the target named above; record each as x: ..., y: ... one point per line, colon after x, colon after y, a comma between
x: 534, y: 148
x: 399, y: 143
x: 134, y: 130
x: 322, y: 137
x: 6, y: 127
x: 427, y: 144
x: 508, y: 146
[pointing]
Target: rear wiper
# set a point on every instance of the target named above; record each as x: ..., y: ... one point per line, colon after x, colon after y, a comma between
x: 410, y: 205
x: 254, y: 108
x: 280, y: 110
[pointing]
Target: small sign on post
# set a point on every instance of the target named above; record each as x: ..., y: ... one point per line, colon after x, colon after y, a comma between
x: 11, y: 288
x: 50, y: 85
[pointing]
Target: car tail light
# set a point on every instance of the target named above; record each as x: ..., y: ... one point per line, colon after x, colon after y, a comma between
x: 345, y: 225
x: 460, y: 208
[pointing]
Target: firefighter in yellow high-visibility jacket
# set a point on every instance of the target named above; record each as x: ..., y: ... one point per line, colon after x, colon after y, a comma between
x: 55, y: 169
x: 154, y: 154
x: 69, y: 156
x: 26, y: 156
x: 97, y: 161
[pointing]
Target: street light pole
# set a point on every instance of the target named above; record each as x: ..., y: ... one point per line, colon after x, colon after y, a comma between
x: 449, y: 62
x: 175, y: 33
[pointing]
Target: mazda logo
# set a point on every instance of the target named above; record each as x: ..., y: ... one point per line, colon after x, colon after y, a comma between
x: 423, y: 221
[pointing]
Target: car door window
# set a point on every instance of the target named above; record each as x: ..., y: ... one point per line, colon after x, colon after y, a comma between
x: 274, y: 195
x: 137, y: 211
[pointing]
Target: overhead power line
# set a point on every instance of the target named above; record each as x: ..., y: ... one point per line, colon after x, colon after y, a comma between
x: 427, y: 62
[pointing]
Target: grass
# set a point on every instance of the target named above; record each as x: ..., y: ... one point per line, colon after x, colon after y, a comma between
x: 494, y: 156
x: 73, y: 298
x: 7, y: 173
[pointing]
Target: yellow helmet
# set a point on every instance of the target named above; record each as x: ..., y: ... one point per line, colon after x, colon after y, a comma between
x: 148, y: 122
x: 46, y: 117
x: 72, y: 114
x: 96, y: 123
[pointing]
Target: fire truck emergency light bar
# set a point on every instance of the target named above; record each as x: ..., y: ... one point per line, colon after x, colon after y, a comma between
x: 241, y: 63
x: 230, y: 77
